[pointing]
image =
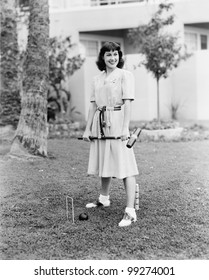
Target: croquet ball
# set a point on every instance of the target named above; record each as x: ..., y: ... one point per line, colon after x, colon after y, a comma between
x: 83, y: 217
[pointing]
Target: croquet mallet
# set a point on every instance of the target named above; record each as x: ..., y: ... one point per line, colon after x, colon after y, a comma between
x: 130, y: 143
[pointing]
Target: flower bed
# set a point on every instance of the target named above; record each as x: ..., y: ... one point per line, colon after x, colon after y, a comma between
x: 65, y: 129
x: 172, y: 131
x: 162, y: 125
x: 169, y: 134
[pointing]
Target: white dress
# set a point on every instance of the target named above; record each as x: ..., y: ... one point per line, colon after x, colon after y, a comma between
x: 111, y: 158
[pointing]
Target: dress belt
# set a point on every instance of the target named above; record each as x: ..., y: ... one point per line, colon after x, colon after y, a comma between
x: 102, y: 122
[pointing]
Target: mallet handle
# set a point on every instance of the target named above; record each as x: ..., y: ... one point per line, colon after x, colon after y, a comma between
x: 102, y: 138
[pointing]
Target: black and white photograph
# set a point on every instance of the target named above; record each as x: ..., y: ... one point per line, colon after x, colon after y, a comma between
x: 104, y: 139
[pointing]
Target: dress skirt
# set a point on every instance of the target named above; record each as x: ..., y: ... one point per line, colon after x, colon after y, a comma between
x: 111, y: 158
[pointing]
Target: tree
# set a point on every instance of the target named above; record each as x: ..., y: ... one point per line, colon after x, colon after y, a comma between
x: 160, y: 49
x: 31, y: 134
x: 10, y: 90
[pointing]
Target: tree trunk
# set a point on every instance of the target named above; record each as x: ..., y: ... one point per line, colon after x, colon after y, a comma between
x: 31, y: 134
x: 158, y: 101
x: 9, y: 89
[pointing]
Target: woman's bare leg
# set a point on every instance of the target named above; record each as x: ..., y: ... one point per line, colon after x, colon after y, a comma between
x: 130, y: 187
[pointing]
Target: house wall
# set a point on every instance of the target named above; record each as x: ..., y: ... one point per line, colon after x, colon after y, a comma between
x: 90, y: 71
x: 202, y: 85
x: 183, y: 81
x: 99, y: 18
x: 79, y: 86
x: 76, y: 85
x: 192, y: 11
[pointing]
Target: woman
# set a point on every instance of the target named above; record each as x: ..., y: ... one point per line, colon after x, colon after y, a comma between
x: 109, y: 116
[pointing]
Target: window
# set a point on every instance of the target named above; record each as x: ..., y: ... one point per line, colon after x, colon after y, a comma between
x: 103, y: 42
x: 92, y: 43
x: 91, y: 47
x: 203, y: 42
x: 191, y: 41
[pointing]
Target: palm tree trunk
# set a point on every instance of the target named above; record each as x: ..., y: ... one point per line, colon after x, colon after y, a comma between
x: 31, y: 133
x: 9, y: 89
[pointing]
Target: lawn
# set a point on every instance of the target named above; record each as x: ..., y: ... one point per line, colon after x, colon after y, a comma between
x: 173, y: 219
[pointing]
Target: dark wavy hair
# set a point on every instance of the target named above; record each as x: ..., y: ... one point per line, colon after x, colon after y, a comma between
x: 107, y: 47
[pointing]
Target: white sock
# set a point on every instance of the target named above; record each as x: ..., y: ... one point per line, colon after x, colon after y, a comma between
x: 131, y: 211
x: 103, y: 198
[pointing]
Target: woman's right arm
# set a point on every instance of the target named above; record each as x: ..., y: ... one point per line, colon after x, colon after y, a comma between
x: 92, y: 110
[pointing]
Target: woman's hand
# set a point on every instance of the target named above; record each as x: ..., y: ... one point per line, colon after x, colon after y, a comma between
x: 86, y: 135
x: 125, y: 134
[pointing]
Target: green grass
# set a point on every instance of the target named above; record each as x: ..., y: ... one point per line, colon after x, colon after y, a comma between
x: 173, y: 219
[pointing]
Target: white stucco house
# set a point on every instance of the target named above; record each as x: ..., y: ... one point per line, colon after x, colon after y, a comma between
x: 92, y: 22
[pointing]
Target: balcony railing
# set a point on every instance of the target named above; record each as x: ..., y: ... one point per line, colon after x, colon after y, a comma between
x: 77, y: 4
x: 70, y: 4
x: 113, y: 2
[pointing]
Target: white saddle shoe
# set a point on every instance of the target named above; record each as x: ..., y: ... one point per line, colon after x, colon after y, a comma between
x: 127, y: 220
x: 98, y: 204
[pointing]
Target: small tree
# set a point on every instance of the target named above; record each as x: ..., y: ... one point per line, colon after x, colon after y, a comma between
x: 161, y: 50
x: 62, y: 65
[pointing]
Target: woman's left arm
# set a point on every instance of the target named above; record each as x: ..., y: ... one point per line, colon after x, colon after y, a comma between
x: 127, y: 116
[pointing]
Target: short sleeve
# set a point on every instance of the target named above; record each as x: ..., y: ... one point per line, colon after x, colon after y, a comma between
x: 92, y: 97
x: 128, y: 85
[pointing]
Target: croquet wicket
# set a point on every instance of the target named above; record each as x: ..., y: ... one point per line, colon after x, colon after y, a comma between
x: 72, y: 206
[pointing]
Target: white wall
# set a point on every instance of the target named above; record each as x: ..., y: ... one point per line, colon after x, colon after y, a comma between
x: 203, y: 85
x: 184, y: 88
x: 91, y: 70
x: 76, y: 86
x: 80, y: 87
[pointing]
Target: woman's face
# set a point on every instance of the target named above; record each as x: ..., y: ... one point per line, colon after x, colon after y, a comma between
x: 111, y: 59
